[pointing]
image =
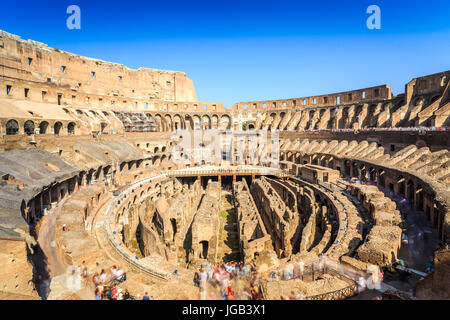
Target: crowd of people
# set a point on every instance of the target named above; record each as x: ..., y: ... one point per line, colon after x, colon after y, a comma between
x: 228, y: 281
x: 239, y: 281
x: 106, y: 283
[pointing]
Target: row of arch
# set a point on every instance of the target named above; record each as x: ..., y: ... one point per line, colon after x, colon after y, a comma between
x: 29, y: 127
x: 167, y: 122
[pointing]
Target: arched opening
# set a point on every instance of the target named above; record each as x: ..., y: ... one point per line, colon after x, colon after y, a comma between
x: 28, y: 127
x: 71, y: 128
x: 347, y: 167
x: 410, y: 186
x: 12, y: 127
x: 381, y: 177
x: 90, y: 176
x: 80, y: 178
x: 97, y: 173
x: 43, y: 127
x: 103, y: 126
x: 419, y: 197
x: 372, y: 174
x: 401, y: 186
x: 355, y: 171
x: 174, y: 227
x: 434, y: 99
x: 57, y: 128
x: 204, y: 249
x: 363, y: 172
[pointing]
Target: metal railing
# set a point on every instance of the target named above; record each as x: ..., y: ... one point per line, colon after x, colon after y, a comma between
x: 234, y: 171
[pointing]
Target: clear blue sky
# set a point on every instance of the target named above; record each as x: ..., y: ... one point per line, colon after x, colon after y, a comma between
x: 251, y: 50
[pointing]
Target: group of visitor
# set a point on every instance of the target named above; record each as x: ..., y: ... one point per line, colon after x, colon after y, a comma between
x: 228, y: 281
x: 106, y: 283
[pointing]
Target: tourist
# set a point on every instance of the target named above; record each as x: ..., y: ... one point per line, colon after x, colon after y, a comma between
x: 301, y: 297
x: 302, y: 267
x: 114, y: 293
x: 361, y: 284
x: 113, y: 271
x: 256, y: 294
x: 230, y: 293
x: 96, y: 279
x: 203, y: 277
x: 84, y: 270
x: 121, y: 276
x: 291, y: 271
x: 293, y: 296
x: 103, y: 276
x: 146, y: 297
x: 120, y: 295
x: 98, y: 295
x: 196, y: 279
x: 126, y: 295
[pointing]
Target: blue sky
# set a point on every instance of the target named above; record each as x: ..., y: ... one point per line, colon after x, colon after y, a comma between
x: 251, y: 50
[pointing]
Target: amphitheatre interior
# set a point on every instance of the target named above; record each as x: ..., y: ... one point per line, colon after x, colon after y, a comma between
x: 361, y: 180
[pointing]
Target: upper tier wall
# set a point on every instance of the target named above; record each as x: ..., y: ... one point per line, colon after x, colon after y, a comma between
x: 378, y: 93
x: 36, y: 62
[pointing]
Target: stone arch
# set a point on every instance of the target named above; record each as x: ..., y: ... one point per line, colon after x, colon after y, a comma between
x: 372, y: 174
x: 160, y: 122
x: 204, y: 246
x: 347, y: 167
x: 225, y: 122
x: 410, y: 191
x: 434, y: 98
x: 168, y: 120
x: 206, y: 122
x: 28, y: 127
x: 197, y: 122
x: 71, y: 128
x: 419, y: 197
x: 381, y: 177
x: 189, y: 123
x: 57, y: 128
x: 355, y: 171
x: 214, y: 121
x: 90, y: 174
x: 80, y: 177
x: 178, y: 122
x: 43, y: 126
x: 401, y: 186
x: 12, y: 127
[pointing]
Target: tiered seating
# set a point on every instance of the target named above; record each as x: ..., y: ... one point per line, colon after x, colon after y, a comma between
x: 384, y: 239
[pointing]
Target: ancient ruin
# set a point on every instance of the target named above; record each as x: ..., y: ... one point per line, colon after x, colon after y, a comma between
x: 90, y: 179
